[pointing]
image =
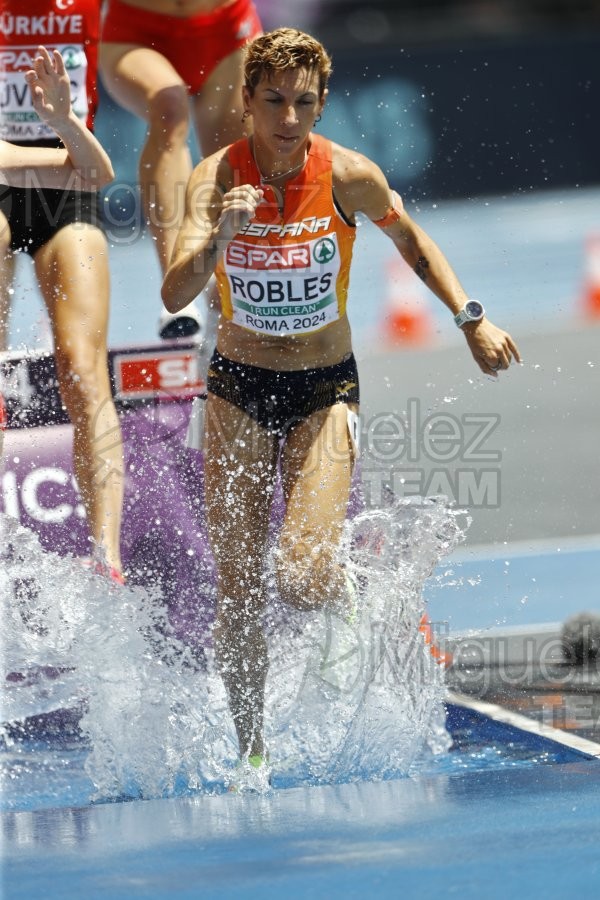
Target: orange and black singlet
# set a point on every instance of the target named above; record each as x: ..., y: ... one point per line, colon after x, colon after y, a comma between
x: 287, y: 272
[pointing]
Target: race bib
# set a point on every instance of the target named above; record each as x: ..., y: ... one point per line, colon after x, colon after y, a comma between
x: 18, y: 119
x: 285, y: 289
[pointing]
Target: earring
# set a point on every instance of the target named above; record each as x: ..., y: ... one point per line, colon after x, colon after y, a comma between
x: 318, y: 119
x: 245, y: 115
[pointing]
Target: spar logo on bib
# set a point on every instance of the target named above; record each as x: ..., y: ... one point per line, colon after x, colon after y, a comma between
x: 72, y: 58
x: 252, y: 256
x: 324, y: 250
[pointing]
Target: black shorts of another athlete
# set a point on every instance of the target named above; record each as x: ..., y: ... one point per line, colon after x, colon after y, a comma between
x: 279, y: 400
x: 35, y: 215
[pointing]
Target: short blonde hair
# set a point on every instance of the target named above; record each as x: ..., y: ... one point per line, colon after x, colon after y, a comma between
x: 283, y: 49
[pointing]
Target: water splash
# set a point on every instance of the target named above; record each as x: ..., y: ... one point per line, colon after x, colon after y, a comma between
x: 344, y: 701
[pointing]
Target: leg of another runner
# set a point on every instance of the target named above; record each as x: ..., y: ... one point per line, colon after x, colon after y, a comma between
x: 145, y: 83
x: 72, y: 270
x: 316, y: 464
x: 218, y: 107
x: 217, y: 112
x: 240, y: 465
x: 7, y: 270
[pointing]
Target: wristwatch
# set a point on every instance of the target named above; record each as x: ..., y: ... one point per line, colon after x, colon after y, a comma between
x: 472, y: 311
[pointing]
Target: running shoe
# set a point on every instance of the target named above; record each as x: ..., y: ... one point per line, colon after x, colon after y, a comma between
x: 188, y: 322
x: 252, y: 775
x: 352, y: 597
x: 99, y: 567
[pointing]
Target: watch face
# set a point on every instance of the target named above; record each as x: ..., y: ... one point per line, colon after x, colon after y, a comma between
x: 474, y: 309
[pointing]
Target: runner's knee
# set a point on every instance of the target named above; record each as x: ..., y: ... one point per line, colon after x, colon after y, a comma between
x: 306, y: 569
x: 5, y: 235
x: 168, y: 113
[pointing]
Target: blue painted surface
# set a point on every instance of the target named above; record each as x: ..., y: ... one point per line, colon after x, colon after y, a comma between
x: 515, y: 590
x: 472, y: 831
x: 46, y: 768
x: 489, y: 835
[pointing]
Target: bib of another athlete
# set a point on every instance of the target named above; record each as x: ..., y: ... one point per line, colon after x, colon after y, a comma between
x: 287, y: 271
x: 70, y: 26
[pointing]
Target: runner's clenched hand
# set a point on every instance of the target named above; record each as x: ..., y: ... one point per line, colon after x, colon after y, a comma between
x: 239, y: 206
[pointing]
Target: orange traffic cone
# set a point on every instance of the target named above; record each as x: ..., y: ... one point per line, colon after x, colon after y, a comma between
x: 407, y: 317
x: 443, y: 657
x: 591, y: 293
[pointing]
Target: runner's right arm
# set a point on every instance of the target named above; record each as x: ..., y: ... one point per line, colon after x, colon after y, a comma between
x: 213, y: 216
x: 83, y: 164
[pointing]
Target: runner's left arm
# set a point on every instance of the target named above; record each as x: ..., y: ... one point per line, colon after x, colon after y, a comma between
x: 364, y: 188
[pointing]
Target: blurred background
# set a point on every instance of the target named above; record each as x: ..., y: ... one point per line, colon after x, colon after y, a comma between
x: 454, y: 99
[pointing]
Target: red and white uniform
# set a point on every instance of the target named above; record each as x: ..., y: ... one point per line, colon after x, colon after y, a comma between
x: 194, y: 44
x: 70, y: 26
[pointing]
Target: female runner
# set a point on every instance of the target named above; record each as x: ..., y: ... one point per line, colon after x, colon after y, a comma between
x: 274, y: 216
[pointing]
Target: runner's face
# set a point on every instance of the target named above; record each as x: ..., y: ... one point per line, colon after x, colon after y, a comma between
x: 284, y: 108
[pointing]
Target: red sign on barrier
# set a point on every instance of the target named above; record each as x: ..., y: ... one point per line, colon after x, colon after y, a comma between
x: 142, y: 375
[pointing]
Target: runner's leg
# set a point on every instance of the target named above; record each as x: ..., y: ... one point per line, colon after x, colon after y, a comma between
x: 145, y: 83
x: 240, y: 466
x: 7, y: 270
x: 218, y: 107
x: 217, y: 112
x: 316, y: 465
x: 72, y: 270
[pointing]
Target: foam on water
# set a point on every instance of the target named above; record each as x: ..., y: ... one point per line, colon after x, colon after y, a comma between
x: 344, y: 701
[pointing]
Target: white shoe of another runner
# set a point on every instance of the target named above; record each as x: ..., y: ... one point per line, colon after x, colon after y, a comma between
x: 188, y: 322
